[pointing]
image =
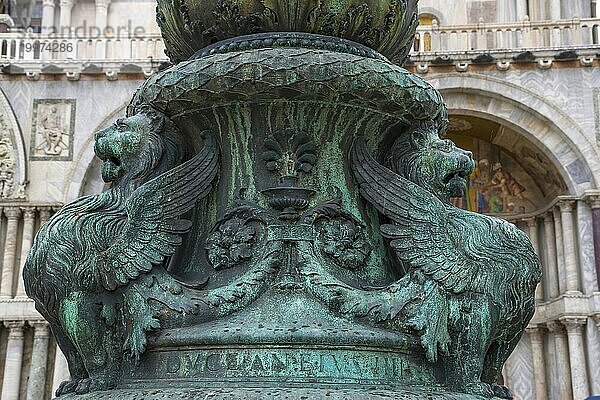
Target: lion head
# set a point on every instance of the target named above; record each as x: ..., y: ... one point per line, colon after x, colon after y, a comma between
x: 435, y: 164
x: 141, y: 146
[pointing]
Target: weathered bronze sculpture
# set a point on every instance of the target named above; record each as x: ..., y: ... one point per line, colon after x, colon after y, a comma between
x: 279, y: 223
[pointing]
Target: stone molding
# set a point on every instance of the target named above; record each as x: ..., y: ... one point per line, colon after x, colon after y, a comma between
x: 12, y: 213
x: 574, y: 324
x: 41, y: 328
x: 15, y: 329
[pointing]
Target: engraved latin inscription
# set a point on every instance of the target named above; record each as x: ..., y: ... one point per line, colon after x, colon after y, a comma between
x: 306, y: 363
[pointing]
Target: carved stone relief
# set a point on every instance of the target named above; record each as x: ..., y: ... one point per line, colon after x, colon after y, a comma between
x: 52, y: 129
x: 12, y: 155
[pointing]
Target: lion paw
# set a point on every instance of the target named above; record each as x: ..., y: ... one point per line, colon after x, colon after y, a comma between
x: 91, y: 385
x: 480, y: 389
x: 66, y: 387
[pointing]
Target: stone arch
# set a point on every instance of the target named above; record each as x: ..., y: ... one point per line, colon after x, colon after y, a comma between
x: 13, y: 161
x: 85, y: 177
x: 541, y: 122
x: 435, y: 12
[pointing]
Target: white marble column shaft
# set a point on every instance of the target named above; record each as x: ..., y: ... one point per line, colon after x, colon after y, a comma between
x: 522, y: 11
x: 532, y: 232
x: 66, y: 9
x: 551, y: 270
x: 560, y: 251
x: 579, y: 376
x: 28, y: 232
x: 14, y: 360
x: 39, y: 357
x: 536, y: 336
x: 561, y: 352
x: 45, y: 213
x: 555, y: 10
x: 570, y: 251
x: 102, y: 14
x: 10, y: 248
x: 48, y: 9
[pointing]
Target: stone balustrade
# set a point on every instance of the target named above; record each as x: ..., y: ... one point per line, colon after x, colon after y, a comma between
x: 516, y: 35
x: 52, y: 47
x: 561, y: 34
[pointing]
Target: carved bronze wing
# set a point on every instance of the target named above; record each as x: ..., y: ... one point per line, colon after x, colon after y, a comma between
x: 421, y: 232
x: 153, y: 228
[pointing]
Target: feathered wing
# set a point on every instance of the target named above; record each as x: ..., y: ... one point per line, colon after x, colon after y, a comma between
x: 153, y: 229
x: 421, y: 233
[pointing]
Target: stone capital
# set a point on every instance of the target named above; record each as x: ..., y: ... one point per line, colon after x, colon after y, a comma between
x: 67, y: 3
x: 28, y: 213
x: 593, y: 201
x: 597, y: 320
x: 12, y: 213
x: 49, y: 3
x: 15, y: 329
x: 536, y: 333
x: 556, y: 327
x: 45, y: 213
x: 531, y: 222
x: 40, y: 328
x: 549, y: 217
x: 574, y: 324
x: 102, y: 4
x: 566, y: 205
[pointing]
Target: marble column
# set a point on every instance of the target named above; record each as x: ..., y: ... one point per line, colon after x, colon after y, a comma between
x: 28, y: 232
x: 579, y: 377
x: 39, y: 357
x: 594, y: 202
x: 14, y: 360
x: 555, y: 10
x: 536, y: 336
x: 561, y: 353
x: 10, y: 248
x: 568, y: 236
x: 560, y: 251
x: 522, y: 11
x: 66, y: 9
x: 61, y: 369
x: 551, y: 264
x: 48, y: 8
x: 532, y: 232
x: 45, y: 213
x: 102, y: 14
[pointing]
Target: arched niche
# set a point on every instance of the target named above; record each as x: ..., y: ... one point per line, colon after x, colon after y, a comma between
x: 85, y: 178
x: 512, y: 175
x: 531, y: 116
x: 13, y: 162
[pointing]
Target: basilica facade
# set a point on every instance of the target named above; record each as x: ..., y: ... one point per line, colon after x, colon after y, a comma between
x: 521, y: 80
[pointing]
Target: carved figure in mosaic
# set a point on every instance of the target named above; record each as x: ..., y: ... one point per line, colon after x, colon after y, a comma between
x: 53, y: 129
x: 7, y: 181
x: 508, y: 185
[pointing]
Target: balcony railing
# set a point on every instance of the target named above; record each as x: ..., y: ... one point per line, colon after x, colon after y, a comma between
x: 507, y: 36
x: 27, y: 46
x: 36, y: 46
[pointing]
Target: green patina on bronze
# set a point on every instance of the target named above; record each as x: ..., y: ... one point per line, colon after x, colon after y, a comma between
x: 279, y: 224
